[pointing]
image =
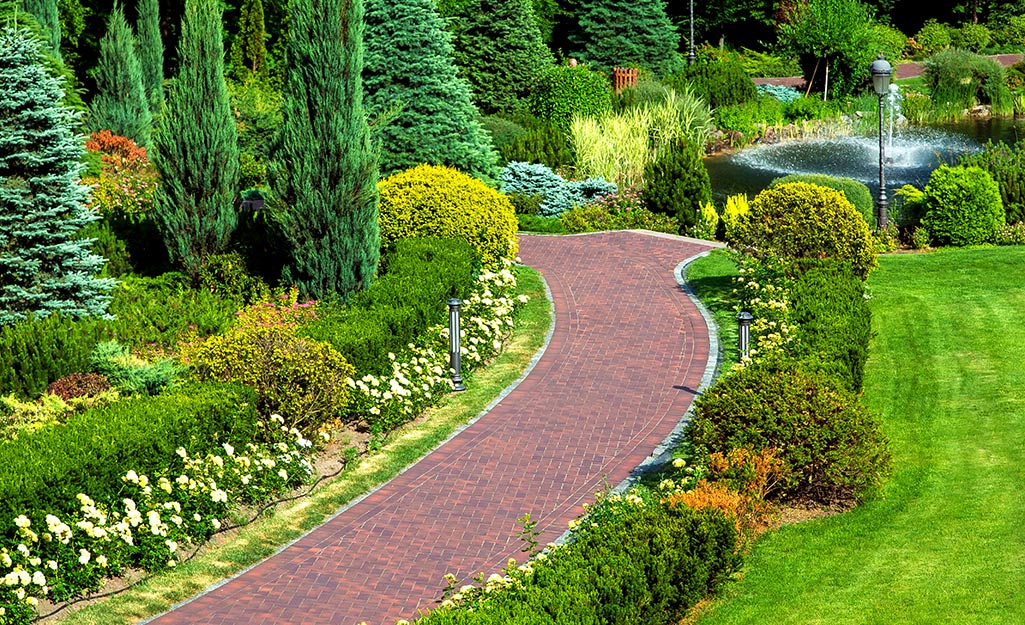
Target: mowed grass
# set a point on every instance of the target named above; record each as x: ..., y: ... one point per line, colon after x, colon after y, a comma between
x: 408, y: 444
x: 946, y: 544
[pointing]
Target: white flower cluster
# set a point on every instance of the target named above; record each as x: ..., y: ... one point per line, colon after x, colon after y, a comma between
x: 148, y: 527
x: 761, y: 288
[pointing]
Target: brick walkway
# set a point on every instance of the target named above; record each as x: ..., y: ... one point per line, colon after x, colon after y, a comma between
x: 620, y: 371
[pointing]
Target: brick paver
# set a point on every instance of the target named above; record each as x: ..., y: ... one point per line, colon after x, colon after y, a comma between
x: 620, y: 371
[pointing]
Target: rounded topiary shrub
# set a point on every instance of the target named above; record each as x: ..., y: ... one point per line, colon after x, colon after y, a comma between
x: 857, y: 193
x: 677, y: 184
x: 436, y: 201
x: 561, y: 92
x: 832, y: 448
x: 962, y: 206
x: 802, y: 220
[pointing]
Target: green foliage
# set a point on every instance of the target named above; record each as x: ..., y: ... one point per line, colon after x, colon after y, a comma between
x: 833, y: 449
x: 972, y: 37
x: 544, y: 143
x: 256, y: 106
x: 677, y: 184
x: 249, y: 48
x: 420, y: 275
x: 43, y: 267
x: 628, y: 33
x: 719, y: 82
x: 750, y: 118
x: 856, y: 192
x: 544, y: 225
x: 761, y: 64
x: 324, y: 168
x: 45, y: 471
x: 931, y: 38
x: 498, y: 49
x: 130, y: 374
x: 834, y: 32
x: 150, y: 52
x: 645, y: 563
x: 887, y: 40
x: 120, y: 104
x: 958, y: 80
x: 598, y: 218
x: 561, y: 93
x: 805, y: 108
x: 502, y: 130
x: 1010, y: 234
x: 440, y: 201
x: 45, y: 12
x: 197, y: 146
x: 106, y: 243
x: 802, y: 220
x: 834, y: 323
x: 1006, y: 164
x: 301, y: 379
x: 963, y: 206
x: 409, y: 65
x: 37, y: 352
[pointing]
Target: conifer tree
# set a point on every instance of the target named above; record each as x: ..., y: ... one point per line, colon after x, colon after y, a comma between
x: 46, y: 13
x: 120, y: 104
x: 44, y: 268
x: 627, y: 33
x: 249, y: 50
x: 324, y: 173
x: 150, y: 52
x: 409, y: 64
x: 499, y: 49
x: 196, y: 145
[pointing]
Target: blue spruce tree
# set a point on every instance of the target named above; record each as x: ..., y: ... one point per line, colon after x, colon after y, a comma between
x: 43, y: 267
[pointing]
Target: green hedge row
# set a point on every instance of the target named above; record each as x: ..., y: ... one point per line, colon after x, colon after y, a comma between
x: 420, y: 275
x: 46, y: 470
x: 647, y: 566
x: 36, y: 352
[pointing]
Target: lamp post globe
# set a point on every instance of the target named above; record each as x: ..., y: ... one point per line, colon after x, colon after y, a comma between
x: 881, y: 74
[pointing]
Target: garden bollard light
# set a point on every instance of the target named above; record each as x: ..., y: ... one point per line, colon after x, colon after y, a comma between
x: 453, y: 344
x: 744, y: 333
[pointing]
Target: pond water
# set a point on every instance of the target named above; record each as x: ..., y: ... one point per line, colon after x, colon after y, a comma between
x: 911, y: 155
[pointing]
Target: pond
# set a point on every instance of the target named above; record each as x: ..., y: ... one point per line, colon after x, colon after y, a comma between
x: 911, y: 155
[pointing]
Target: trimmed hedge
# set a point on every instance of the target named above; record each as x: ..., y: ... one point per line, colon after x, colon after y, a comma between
x: 855, y: 192
x: 47, y: 469
x: 37, y: 352
x: 962, y: 206
x: 420, y: 276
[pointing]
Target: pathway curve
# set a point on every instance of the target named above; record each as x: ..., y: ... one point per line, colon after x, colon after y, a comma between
x: 627, y: 352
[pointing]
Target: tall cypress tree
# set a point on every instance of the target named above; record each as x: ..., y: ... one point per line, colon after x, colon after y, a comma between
x: 46, y: 13
x: 120, y: 104
x: 150, y: 52
x: 43, y: 267
x: 627, y: 33
x: 324, y: 173
x: 249, y: 50
x: 409, y: 63
x: 499, y: 49
x: 197, y: 145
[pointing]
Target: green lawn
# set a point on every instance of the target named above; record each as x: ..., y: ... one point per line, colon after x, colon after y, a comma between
x: 947, y: 542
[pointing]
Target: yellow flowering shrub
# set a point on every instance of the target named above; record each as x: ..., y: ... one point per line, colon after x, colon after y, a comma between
x: 436, y: 201
x: 736, y: 206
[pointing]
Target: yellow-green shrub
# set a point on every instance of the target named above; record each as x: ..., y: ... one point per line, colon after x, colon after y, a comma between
x: 303, y: 380
x: 802, y: 220
x: 436, y: 201
x: 736, y: 206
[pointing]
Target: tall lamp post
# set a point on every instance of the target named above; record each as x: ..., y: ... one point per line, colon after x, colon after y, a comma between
x: 691, y: 57
x: 881, y: 73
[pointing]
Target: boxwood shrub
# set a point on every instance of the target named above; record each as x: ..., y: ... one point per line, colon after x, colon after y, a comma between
x: 962, y: 206
x: 855, y: 192
x: 833, y: 449
x: 47, y: 469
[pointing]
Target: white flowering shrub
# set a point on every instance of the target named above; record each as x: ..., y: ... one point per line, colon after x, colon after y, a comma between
x: 761, y: 289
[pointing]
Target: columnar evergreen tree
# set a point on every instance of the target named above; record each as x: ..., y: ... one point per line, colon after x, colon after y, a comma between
x: 324, y: 173
x: 197, y: 145
x: 409, y: 63
x: 46, y: 13
x: 150, y: 52
x: 499, y: 49
x: 249, y: 50
x: 43, y: 267
x: 120, y: 104
x: 627, y: 33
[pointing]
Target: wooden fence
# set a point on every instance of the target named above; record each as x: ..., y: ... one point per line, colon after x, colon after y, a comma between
x: 623, y: 78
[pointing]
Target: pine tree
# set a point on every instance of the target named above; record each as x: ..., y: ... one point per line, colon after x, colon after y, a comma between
x: 150, y: 52
x: 409, y: 63
x: 46, y: 13
x: 197, y: 145
x: 249, y: 50
x: 323, y: 173
x: 120, y: 104
x: 44, y: 268
x: 499, y: 49
x: 626, y: 33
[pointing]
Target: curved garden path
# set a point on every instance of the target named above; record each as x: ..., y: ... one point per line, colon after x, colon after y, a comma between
x: 628, y: 350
